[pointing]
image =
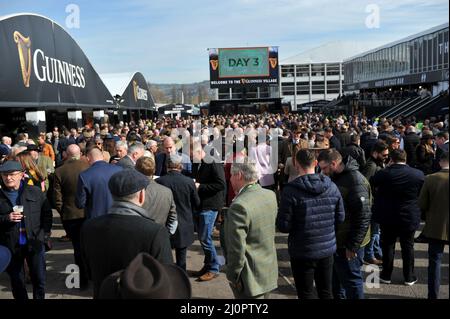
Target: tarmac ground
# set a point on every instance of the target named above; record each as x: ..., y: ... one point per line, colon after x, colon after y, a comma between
x: 61, y: 256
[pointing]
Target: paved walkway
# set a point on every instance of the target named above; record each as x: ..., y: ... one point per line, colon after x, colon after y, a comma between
x: 62, y: 255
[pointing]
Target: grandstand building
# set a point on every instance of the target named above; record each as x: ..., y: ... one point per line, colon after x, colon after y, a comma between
x: 316, y: 75
x: 403, y: 78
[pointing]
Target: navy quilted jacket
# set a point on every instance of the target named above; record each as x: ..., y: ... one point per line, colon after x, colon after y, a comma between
x: 311, y: 206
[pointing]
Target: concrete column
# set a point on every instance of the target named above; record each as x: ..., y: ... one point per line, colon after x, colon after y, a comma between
x: 310, y: 86
x: 35, y: 123
x: 340, y: 78
x: 325, y: 81
x: 294, y: 108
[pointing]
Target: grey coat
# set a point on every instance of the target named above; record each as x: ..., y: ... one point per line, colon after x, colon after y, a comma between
x: 160, y: 206
x: 126, y: 162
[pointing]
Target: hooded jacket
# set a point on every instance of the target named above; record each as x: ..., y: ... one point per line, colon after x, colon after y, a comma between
x: 311, y: 206
x: 354, y: 232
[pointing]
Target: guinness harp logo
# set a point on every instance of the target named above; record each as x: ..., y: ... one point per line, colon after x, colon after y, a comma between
x: 214, y: 64
x: 135, y: 91
x: 273, y: 62
x: 24, y: 48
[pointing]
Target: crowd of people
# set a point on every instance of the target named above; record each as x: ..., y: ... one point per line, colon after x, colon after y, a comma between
x: 343, y: 188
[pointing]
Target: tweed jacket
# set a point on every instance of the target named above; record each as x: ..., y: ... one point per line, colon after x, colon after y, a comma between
x: 65, y: 188
x: 250, y: 240
x: 433, y: 202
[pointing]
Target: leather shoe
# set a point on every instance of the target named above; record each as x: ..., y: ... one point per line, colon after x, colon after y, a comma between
x: 373, y: 261
x: 208, y: 276
x: 201, y: 272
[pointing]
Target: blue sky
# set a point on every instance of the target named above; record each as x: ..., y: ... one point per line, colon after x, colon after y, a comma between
x: 167, y: 40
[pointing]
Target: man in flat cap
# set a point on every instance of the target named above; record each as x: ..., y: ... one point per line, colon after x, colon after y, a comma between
x: 110, y: 242
x: 25, y: 224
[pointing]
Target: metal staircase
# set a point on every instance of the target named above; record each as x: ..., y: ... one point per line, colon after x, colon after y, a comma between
x: 401, y: 106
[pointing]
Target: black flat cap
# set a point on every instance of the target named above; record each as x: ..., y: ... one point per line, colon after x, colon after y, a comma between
x: 10, y: 166
x: 127, y: 182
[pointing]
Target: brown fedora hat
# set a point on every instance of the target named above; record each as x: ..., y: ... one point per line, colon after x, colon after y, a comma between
x: 147, y: 278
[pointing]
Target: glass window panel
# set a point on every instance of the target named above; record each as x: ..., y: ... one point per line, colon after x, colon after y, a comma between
x: 378, y: 68
x: 435, y: 50
x: 422, y: 54
x: 410, y: 57
x: 391, y: 61
x: 419, y: 55
x: 441, y: 50
x: 430, y: 53
x: 445, y: 49
x: 287, y: 71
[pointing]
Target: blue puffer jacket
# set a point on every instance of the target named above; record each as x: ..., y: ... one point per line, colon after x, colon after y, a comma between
x: 311, y: 206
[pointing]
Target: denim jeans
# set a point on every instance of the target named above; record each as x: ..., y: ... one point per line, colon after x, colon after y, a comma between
x: 36, y: 263
x: 205, y: 227
x: 373, y: 248
x: 348, y: 280
x: 435, y: 252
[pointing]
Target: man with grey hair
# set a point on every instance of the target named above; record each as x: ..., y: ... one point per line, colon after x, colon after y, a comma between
x: 135, y: 151
x: 152, y: 146
x: 64, y: 192
x: 411, y: 141
x: 121, y: 149
x: 252, y: 268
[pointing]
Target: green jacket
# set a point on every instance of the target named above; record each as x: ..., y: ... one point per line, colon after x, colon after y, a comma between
x: 433, y: 202
x: 45, y: 164
x: 250, y: 241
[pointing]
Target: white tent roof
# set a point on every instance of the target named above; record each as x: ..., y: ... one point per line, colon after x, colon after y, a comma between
x: 329, y: 52
x: 117, y: 82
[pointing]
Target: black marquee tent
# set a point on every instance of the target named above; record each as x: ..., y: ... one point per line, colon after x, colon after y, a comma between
x: 45, y: 78
x: 132, y: 93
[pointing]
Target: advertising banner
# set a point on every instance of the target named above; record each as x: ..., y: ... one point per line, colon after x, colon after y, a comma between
x: 243, y: 67
x: 41, y: 65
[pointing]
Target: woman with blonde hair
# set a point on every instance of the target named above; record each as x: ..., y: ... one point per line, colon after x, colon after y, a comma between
x: 33, y: 175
